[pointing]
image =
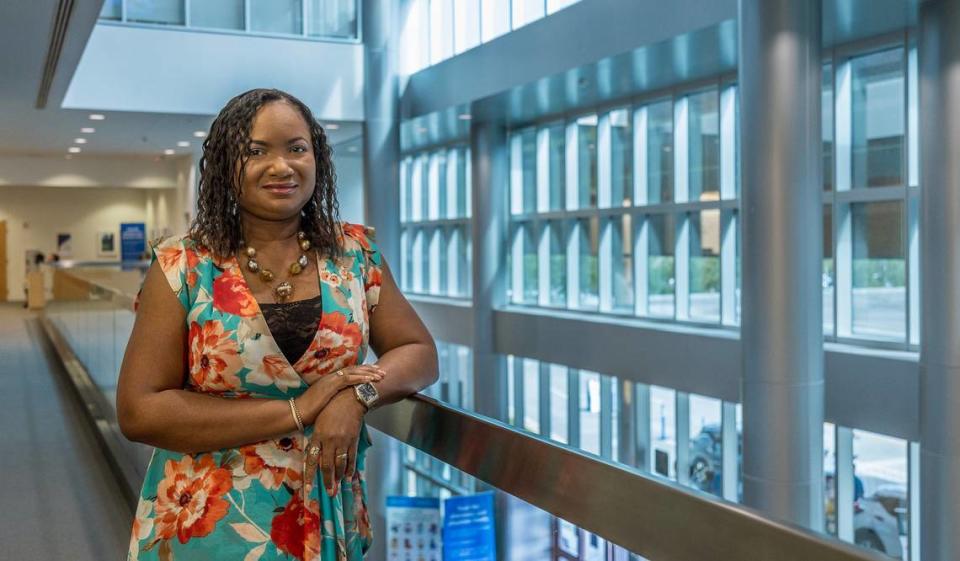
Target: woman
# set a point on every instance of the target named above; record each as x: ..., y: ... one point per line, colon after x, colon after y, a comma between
x: 244, y: 368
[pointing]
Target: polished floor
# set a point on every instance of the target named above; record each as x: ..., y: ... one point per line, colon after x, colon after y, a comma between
x: 58, y: 495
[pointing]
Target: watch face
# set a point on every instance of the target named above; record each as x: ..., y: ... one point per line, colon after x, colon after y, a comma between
x: 367, y: 392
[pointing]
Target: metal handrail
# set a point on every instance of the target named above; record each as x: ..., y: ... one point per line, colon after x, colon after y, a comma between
x: 652, y: 517
x: 655, y: 518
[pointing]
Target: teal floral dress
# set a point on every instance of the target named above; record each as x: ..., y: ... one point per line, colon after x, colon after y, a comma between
x: 250, y: 503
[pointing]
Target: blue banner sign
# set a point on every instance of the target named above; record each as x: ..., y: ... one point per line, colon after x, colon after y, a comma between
x: 468, y: 532
x: 133, y: 241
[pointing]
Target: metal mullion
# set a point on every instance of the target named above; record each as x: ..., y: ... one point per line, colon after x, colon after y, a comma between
x: 572, y: 163
x: 186, y: 13
x: 728, y: 143
x: 681, y: 156
x: 543, y: 264
x: 604, y: 161
x: 627, y: 423
x: 516, y: 175
x: 246, y: 16
x: 545, y: 399
x: 606, y: 417
x: 728, y: 267
x: 518, y: 374
x: 543, y: 170
x: 683, y: 437
x: 605, y: 265
x: 690, y: 206
x: 573, y: 265
x: 871, y: 194
x: 641, y: 257
x: 913, y: 501
x: 303, y: 18
x: 573, y: 407
x: 845, y: 483
x: 516, y: 248
x: 682, y: 267
x: 913, y: 267
x: 642, y: 433
x: 640, y: 163
x: 843, y: 269
x: 729, y: 452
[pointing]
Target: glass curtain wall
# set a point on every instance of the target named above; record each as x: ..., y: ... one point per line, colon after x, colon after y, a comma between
x: 309, y: 19
x: 435, y: 222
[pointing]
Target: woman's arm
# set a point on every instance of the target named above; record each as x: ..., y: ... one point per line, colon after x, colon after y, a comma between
x: 406, y: 352
x: 153, y: 407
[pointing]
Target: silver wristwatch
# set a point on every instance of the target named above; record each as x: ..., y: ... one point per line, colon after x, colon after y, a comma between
x: 367, y: 394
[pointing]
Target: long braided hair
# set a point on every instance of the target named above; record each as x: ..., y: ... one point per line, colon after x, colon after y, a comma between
x: 217, y: 224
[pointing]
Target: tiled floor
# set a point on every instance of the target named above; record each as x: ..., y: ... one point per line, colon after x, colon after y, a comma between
x: 58, y: 499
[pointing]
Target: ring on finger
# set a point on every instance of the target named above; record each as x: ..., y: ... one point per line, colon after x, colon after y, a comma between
x: 344, y: 456
x: 313, y: 451
x: 339, y: 372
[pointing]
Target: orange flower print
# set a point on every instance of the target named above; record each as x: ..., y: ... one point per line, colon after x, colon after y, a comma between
x: 171, y: 257
x: 190, y: 498
x: 274, y: 462
x: 267, y: 368
x: 193, y: 256
x: 230, y: 294
x: 214, y: 357
x: 332, y: 279
x: 360, y: 513
x: 372, y: 286
x: 334, y: 346
x: 142, y: 526
x: 359, y: 233
x: 296, y: 530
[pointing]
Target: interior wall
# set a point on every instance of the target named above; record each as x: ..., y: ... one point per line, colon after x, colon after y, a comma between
x: 35, y: 215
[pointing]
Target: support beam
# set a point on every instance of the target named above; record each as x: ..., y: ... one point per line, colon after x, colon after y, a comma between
x: 939, y: 53
x: 782, y: 384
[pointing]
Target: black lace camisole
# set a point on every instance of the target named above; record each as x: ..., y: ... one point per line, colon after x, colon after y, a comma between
x: 294, y: 325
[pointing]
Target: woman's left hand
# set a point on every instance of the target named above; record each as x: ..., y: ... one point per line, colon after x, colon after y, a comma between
x: 336, y: 432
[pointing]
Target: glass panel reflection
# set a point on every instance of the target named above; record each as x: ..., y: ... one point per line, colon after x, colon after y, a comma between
x: 879, y: 283
x: 878, y: 106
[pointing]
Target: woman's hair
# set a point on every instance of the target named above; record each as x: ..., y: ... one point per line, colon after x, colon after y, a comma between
x: 217, y: 224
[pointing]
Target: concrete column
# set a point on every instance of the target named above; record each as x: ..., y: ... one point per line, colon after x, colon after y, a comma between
x: 782, y: 385
x: 381, y: 185
x: 381, y: 127
x: 489, y: 160
x: 939, y: 57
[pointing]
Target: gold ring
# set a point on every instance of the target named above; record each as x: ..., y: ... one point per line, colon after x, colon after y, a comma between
x: 339, y: 372
x: 344, y: 455
x: 314, y: 451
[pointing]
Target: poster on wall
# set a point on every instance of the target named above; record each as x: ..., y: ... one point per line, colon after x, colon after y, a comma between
x: 65, y: 245
x: 133, y: 241
x: 106, y: 244
x: 468, y: 532
x: 413, y: 529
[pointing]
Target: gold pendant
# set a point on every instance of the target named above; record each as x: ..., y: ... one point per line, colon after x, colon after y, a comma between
x: 283, y: 291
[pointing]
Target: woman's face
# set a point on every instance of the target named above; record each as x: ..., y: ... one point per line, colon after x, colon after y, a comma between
x: 280, y: 174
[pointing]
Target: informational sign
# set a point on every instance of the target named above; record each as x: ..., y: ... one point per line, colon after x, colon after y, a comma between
x: 133, y: 241
x: 413, y: 529
x: 468, y: 531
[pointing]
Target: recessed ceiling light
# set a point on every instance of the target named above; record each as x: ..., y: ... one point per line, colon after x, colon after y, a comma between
x: 183, y: 144
x: 97, y: 117
x: 74, y: 149
x: 199, y: 134
x: 333, y: 126
x: 169, y: 152
x: 80, y: 140
x: 465, y: 116
x: 88, y: 130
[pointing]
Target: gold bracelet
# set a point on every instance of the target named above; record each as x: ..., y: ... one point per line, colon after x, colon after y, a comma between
x: 296, y: 414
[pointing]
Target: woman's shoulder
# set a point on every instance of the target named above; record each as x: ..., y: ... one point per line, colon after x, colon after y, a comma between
x: 358, y: 234
x: 182, y: 248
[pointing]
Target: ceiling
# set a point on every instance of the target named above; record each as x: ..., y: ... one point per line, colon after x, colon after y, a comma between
x: 26, y: 28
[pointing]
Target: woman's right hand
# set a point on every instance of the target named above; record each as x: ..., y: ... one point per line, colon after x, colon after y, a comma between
x: 312, y: 401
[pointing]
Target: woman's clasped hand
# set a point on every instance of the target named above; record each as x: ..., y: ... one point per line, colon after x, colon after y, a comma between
x: 335, y: 417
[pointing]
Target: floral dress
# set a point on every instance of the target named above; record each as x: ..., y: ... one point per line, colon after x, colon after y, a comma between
x: 250, y: 503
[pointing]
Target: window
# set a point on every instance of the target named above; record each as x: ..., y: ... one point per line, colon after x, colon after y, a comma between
x: 621, y: 158
x: 589, y: 236
x: 217, y: 14
x: 621, y: 246
x: 663, y: 412
x: 878, y: 115
x: 168, y: 12
x: 879, y: 283
x: 332, y: 18
x: 704, y: 139
x: 660, y: 152
x: 587, y: 161
x: 705, y: 265
x: 661, y: 232
x: 706, y: 446
x: 276, y: 16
